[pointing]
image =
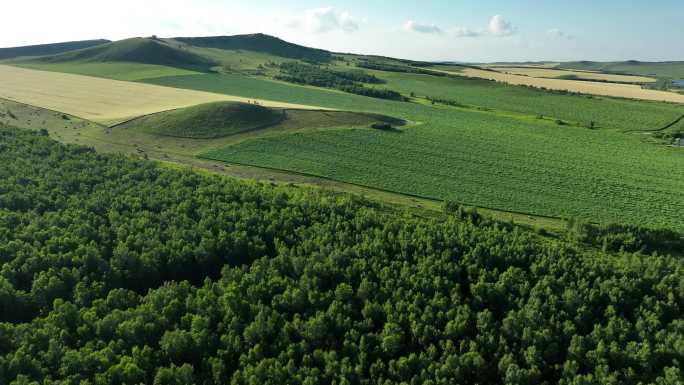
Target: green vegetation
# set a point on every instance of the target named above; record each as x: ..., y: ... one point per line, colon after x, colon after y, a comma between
x: 482, y: 158
x: 258, y: 43
x: 119, y: 272
x: 135, y: 50
x: 110, y: 70
x: 393, y: 67
x: 606, y: 112
x: 672, y: 134
x: 673, y: 70
x: 212, y: 120
x: 47, y: 49
x: 347, y: 81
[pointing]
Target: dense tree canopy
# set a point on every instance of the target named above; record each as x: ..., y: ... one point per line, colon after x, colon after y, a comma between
x: 117, y: 271
x: 347, y: 81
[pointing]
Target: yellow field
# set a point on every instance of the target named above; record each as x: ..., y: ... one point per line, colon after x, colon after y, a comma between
x: 102, y: 100
x: 630, y: 91
x: 544, y: 65
x: 554, y: 73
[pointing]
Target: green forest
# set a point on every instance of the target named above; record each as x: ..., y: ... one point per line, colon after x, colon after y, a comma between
x: 116, y: 270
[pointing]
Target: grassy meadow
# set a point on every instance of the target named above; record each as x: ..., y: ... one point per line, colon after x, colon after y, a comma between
x: 480, y: 157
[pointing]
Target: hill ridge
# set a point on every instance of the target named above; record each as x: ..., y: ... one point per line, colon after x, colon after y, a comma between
x: 48, y: 49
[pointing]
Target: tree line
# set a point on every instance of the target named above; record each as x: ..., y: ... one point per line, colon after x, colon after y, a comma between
x: 348, y: 81
x: 114, y: 270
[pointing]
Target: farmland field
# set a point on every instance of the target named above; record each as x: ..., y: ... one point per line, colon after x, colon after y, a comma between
x: 630, y: 91
x: 101, y: 100
x: 584, y: 75
x: 479, y: 155
x: 117, y: 71
x: 606, y: 112
x: 495, y: 163
x: 246, y: 210
x: 478, y: 158
x: 657, y: 69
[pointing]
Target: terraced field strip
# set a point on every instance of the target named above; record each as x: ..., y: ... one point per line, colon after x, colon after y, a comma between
x: 555, y: 73
x: 104, y: 101
x: 630, y: 91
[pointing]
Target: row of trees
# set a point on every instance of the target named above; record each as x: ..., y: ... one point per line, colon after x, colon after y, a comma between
x: 347, y: 81
x: 115, y: 271
x: 389, y: 67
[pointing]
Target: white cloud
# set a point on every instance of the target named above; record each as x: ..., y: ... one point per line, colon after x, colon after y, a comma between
x: 328, y: 19
x: 465, y: 32
x: 498, y: 26
x: 557, y: 33
x: 412, y: 26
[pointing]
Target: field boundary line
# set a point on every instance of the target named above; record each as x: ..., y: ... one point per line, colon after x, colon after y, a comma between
x: 660, y: 129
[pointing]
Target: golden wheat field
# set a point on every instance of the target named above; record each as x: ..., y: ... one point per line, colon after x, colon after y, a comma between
x: 517, y: 65
x: 630, y: 91
x: 587, y: 75
x: 100, y: 100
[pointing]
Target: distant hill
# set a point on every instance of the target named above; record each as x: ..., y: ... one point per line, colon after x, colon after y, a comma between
x: 668, y: 69
x: 195, y: 53
x: 48, y: 49
x: 258, y: 43
x: 136, y: 50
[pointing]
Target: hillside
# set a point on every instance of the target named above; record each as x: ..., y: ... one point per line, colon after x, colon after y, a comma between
x: 136, y: 50
x: 673, y: 69
x: 190, y: 53
x: 212, y: 120
x: 258, y: 43
x: 48, y: 49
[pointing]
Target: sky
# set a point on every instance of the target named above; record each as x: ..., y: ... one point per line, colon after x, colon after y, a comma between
x: 446, y: 30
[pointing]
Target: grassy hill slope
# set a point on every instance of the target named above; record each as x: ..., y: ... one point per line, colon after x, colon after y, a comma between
x: 211, y: 120
x: 135, y: 50
x: 48, y: 49
x: 258, y: 43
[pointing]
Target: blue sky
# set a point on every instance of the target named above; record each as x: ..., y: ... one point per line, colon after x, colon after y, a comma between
x: 427, y: 30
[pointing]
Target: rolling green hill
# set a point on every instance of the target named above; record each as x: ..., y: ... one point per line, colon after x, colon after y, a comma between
x: 240, y: 52
x: 258, y: 43
x: 135, y: 50
x: 48, y: 49
x: 212, y: 120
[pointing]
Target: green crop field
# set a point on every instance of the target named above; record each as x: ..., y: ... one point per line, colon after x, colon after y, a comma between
x: 606, y: 112
x: 479, y: 157
x: 490, y: 150
x: 496, y: 163
x: 110, y: 70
